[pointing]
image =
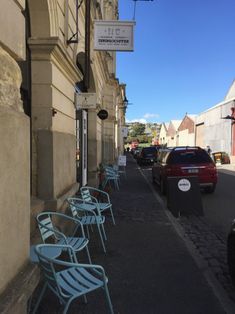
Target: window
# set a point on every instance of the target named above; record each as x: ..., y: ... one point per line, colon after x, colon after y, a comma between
x: 189, y: 157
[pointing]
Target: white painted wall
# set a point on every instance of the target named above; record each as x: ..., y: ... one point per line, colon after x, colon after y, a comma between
x: 217, y: 131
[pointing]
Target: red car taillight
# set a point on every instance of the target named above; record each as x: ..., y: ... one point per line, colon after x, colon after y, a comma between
x: 212, y: 170
x: 173, y: 171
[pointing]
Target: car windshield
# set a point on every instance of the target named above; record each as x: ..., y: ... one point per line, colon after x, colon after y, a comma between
x: 189, y: 157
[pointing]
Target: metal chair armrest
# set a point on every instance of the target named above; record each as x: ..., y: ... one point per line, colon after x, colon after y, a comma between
x: 71, y: 252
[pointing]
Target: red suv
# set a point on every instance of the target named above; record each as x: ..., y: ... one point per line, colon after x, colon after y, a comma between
x: 183, y: 162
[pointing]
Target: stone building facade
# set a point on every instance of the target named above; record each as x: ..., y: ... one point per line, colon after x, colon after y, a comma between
x: 41, y: 128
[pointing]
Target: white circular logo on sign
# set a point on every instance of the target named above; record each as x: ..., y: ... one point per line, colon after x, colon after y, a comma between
x: 184, y: 185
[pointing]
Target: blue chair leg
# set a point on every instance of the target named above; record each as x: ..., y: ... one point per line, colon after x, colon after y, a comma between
x: 108, y: 299
x: 67, y: 306
x: 101, y: 238
x: 39, y: 298
x: 116, y: 184
x: 88, y: 232
x: 111, y: 210
x: 104, y: 233
x: 88, y: 254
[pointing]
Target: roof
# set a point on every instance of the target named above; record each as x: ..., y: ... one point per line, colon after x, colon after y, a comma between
x: 231, y: 92
x: 176, y: 123
x: 192, y: 116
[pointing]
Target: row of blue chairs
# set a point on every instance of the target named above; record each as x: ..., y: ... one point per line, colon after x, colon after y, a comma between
x: 87, y: 210
x: 111, y: 177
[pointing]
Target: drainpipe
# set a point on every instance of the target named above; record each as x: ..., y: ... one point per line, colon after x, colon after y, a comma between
x: 87, y: 44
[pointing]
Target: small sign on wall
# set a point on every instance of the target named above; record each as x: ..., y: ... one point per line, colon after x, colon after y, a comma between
x: 122, y: 160
x: 85, y: 100
x: 124, y: 131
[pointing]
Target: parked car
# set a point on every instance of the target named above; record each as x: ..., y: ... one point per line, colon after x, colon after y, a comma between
x: 147, y: 155
x: 221, y: 158
x: 183, y: 162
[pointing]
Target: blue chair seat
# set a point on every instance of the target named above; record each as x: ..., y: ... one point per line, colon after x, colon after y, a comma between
x: 91, y: 220
x: 76, y: 243
x: 77, y: 281
x: 104, y: 206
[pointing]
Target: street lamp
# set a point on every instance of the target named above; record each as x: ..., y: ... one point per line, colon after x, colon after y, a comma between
x: 125, y: 102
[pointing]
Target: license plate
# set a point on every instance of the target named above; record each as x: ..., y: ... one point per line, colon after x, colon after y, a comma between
x: 192, y: 170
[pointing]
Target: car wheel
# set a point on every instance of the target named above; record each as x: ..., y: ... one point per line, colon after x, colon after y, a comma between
x: 210, y: 189
x: 231, y: 256
x: 162, y: 187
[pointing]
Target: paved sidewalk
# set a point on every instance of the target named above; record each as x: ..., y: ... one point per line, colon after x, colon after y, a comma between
x: 150, y: 269
x: 226, y: 168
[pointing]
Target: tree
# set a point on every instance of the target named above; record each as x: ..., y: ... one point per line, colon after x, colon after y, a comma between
x: 138, y: 129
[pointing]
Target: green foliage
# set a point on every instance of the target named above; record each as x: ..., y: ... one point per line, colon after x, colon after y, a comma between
x: 137, y: 129
x: 139, y: 138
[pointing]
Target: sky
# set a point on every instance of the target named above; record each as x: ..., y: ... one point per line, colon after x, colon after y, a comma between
x: 183, y: 59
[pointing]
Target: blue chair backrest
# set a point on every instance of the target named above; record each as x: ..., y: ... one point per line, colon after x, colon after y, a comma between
x: 45, y: 222
x: 73, y: 205
x: 86, y: 195
x: 48, y: 271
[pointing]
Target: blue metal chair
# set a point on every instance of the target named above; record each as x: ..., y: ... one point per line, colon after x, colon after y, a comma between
x: 89, y: 215
x: 111, y: 176
x: 91, y: 194
x: 49, y: 232
x: 73, y: 281
x: 120, y: 170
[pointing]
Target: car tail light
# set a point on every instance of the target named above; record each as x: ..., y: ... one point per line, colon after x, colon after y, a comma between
x: 173, y: 171
x: 212, y: 169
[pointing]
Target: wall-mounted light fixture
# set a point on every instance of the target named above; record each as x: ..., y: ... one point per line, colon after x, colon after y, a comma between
x: 54, y: 112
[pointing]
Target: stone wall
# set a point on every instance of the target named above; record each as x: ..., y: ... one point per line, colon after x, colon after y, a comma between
x: 15, y: 172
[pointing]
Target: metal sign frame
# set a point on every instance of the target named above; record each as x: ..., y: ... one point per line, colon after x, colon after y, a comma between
x: 114, y: 35
x: 85, y: 101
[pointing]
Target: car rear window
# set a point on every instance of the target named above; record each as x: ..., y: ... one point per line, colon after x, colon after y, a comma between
x: 189, y: 157
x: 149, y: 150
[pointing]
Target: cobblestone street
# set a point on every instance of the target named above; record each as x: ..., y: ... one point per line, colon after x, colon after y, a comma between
x: 211, y: 245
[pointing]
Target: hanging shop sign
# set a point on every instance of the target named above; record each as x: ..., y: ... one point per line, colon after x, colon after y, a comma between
x: 124, y: 131
x: 114, y: 35
x: 122, y: 160
x: 85, y: 100
x: 102, y: 114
